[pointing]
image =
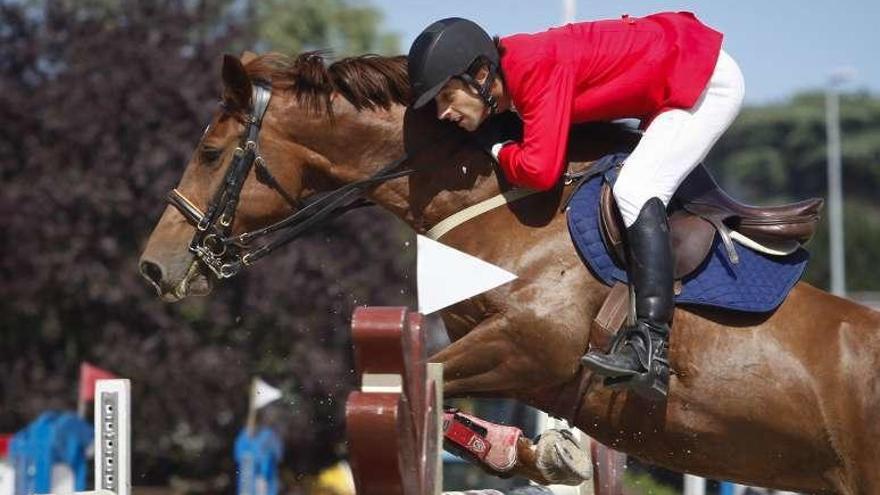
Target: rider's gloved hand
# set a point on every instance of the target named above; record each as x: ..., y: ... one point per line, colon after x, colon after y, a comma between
x: 497, y: 131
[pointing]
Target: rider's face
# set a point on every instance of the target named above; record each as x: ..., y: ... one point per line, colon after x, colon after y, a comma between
x: 460, y: 104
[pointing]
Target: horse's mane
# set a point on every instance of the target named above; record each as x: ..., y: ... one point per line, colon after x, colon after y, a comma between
x: 368, y: 81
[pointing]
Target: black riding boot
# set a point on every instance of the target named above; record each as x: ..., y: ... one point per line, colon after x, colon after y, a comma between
x: 637, y: 358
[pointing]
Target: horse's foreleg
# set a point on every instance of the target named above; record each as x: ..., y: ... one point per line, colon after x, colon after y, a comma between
x: 498, y: 359
x: 478, y: 363
x: 487, y: 362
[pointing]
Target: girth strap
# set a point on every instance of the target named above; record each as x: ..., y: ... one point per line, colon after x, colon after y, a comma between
x: 458, y: 218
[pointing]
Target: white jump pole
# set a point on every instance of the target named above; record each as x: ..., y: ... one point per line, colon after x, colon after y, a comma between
x: 694, y: 485
x: 112, y: 438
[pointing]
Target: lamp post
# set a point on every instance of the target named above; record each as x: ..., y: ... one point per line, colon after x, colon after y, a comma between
x: 835, y: 185
x: 569, y: 11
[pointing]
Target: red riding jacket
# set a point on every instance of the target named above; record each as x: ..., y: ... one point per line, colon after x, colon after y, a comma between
x: 598, y: 71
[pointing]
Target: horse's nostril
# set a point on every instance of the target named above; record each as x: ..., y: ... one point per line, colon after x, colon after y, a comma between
x: 152, y: 272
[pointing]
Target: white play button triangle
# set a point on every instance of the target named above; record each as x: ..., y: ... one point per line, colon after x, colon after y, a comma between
x: 446, y: 276
x: 264, y: 394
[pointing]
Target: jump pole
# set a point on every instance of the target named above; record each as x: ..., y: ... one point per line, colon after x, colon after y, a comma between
x: 112, y: 438
x: 394, y: 420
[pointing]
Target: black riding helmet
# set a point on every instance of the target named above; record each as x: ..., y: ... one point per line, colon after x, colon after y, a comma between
x: 449, y: 48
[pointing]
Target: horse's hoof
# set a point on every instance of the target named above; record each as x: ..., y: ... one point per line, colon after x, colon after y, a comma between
x: 563, y: 460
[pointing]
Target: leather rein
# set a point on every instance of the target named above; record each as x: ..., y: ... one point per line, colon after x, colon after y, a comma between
x: 226, y: 254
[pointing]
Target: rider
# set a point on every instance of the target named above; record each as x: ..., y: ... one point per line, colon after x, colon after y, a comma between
x: 666, y: 69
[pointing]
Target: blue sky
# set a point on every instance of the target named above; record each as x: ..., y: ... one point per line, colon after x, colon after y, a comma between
x: 782, y: 46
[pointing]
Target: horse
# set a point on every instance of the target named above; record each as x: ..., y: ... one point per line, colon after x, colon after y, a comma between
x: 785, y: 400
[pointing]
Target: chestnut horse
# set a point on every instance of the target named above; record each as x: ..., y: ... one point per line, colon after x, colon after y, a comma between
x: 787, y: 400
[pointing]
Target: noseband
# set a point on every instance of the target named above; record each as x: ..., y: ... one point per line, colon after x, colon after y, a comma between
x: 226, y: 254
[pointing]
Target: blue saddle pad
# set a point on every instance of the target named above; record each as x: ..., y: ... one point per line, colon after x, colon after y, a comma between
x: 758, y: 283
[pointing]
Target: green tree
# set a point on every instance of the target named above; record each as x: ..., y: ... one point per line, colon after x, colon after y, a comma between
x: 344, y: 27
x: 777, y: 153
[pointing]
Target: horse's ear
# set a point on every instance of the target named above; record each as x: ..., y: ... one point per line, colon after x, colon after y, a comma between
x: 247, y: 56
x: 237, y: 83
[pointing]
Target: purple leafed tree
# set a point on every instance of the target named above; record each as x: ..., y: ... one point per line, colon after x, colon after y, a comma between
x: 102, y: 104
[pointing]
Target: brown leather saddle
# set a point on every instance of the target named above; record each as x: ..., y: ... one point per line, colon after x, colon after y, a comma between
x: 700, y: 209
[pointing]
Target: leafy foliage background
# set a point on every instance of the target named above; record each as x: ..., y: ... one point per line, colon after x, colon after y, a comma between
x: 102, y: 104
x: 777, y: 153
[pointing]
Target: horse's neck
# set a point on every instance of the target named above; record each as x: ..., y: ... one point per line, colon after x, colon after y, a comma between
x: 450, y: 173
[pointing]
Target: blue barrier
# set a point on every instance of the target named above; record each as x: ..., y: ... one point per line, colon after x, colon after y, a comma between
x: 53, y: 438
x: 257, y: 457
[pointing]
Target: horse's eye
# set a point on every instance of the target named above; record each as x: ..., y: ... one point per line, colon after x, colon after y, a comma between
x: 210, y: 155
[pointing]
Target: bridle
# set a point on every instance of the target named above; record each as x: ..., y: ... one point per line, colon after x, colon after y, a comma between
x: 226, y: 254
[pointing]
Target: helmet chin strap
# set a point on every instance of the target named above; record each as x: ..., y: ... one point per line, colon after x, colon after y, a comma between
x: 484, y: 90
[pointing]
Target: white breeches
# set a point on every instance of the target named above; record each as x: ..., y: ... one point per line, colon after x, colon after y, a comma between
x: 678, y: 140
